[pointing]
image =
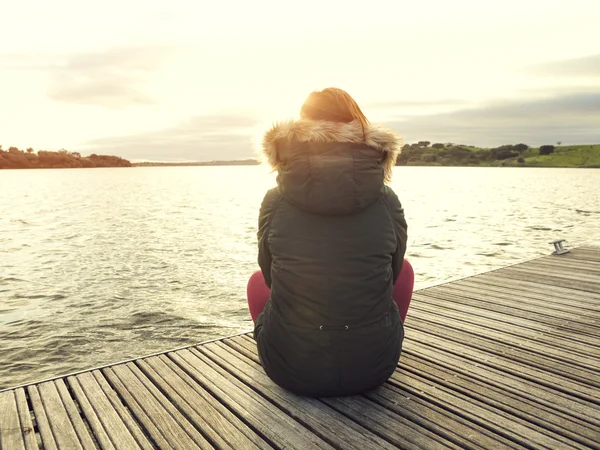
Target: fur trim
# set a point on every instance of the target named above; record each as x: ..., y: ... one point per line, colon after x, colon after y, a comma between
x: 305, y: 130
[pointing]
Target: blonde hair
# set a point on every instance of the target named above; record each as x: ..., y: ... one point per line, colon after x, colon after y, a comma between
x: 333, y: 105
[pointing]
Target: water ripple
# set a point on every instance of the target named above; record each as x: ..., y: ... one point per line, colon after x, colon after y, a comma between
x: 105, y: 265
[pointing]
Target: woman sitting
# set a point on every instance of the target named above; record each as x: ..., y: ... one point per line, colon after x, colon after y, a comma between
x: 333, y: 291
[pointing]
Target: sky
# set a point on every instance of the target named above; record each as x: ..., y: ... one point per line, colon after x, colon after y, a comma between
x: 195, y: 80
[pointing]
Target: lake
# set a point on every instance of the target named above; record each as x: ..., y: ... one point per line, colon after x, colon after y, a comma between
x: 102, y: 265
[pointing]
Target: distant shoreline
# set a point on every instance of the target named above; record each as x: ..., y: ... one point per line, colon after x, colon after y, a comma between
x: 421, y: 154
x: 14, y: 159
x: 240, y: 162
x: 237, y: 163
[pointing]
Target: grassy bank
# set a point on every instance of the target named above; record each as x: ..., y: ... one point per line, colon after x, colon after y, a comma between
x: 566, y: 156
x: 520, y: 155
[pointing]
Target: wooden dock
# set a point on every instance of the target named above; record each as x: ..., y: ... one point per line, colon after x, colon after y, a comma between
x: 506, y: 359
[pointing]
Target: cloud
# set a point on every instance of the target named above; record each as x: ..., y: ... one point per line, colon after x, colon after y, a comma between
x: 571, y: 118
x: 403, y: 109
x: 27, y: 61
x: 587, y: 66
x: 112, y: 78
x: 416, y: 103
x: 201, y: 138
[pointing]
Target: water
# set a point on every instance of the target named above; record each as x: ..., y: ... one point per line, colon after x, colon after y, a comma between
x: 101, y: 265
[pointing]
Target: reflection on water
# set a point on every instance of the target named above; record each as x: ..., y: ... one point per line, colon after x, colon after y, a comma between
x: 102, y: 265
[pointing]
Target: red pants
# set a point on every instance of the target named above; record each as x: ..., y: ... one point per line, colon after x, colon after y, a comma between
x: 258, y: 292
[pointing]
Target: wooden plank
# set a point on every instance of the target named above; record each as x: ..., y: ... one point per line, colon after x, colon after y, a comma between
x: 427, y: 416
x: 478, y: 355
x: 535, y: 288
x: 167, y: 406
x: 582, y: 254
x: 223, y: 418
x: 583, y: 272
x: 525, y: 408
x: 583, y: 343
x: 384, y: 422
x: 11, y: 435
x: 314, y: 414
x: 218, y: 430
x: 515, y: 304
x: 580, y: 257
x: 48, y: 441
x: 112, y: 424
x: 574, y: 344
x: 476, y: 411
x: 78, y: 425
x: 516, y: 341
x: 586, y: 248
x: 445, y: 423
x: 469, y: 304
x: 513, y: 274
x: 531, y: 297
x: 558, y: 273
x: 137, y: 410
x: 505, y: 382
x: 113, y: 397
x: 270, y: 422
x: 245, y: 345
x: 568, y: 266
x: 547, y: 278
x: 210, y: 362
x: 559, y: 260
x: 248, y: 337
x: 560, y: 330
x: 173, y: 425
x: 579, y: 252
x: 524, y: 299
x: 539, y: 286
x: 27, y: 429
x: 59, y: 419
x: 589, y: 248
x: 580, y: 379
x: 93, y: 418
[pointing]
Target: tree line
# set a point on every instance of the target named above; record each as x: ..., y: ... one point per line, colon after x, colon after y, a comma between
x: 460, y: 154
x: 13, y: 158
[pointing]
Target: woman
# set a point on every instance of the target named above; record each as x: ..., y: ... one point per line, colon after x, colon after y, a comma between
x: 334, y: 289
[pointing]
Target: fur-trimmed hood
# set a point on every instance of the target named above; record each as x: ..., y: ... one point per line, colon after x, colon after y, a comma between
x: 330, y: 167
x: 318, y: 131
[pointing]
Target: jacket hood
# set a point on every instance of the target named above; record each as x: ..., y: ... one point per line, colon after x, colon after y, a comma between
x: 330, y: 167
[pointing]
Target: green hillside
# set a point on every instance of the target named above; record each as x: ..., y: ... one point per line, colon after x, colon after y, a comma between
x: 566, y: 156
x: 517, y: 155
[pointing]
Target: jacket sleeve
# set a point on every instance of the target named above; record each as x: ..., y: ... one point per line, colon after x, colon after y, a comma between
x: 267, y: 208
x: 401, y: 229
